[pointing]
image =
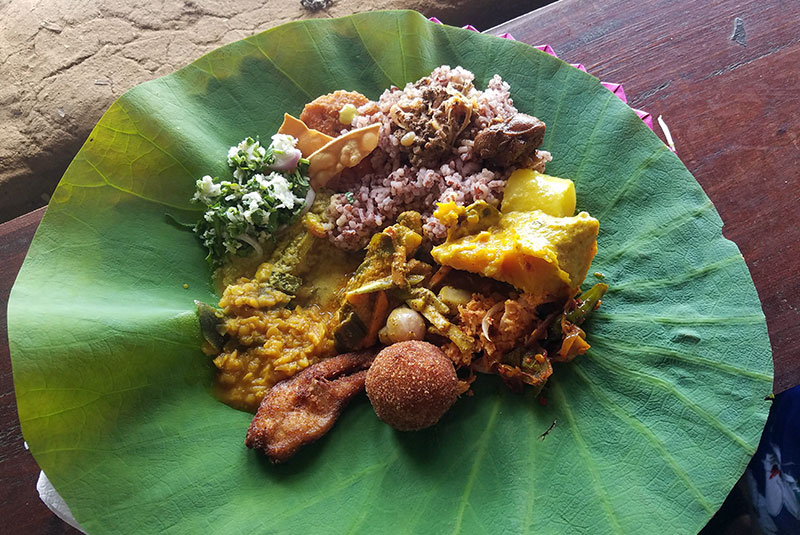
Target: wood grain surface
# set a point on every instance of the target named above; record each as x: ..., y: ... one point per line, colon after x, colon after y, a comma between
x: 22, y: 511
x: 731, y: 100
x: 731, y: 106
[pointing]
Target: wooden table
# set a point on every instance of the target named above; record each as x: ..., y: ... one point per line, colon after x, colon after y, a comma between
x: 731, y: 102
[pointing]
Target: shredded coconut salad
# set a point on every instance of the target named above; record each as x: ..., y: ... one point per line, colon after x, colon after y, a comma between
x: 269, y: 190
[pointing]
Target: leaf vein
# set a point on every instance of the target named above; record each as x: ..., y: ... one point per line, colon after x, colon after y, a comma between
x: 284, y: 73
x: 672, y: 389
x: 374, y: 59
x: 588, y: 460
x: 151, y: 141
x: 403, y: 65
x: 680, y: 279
x: 644, y: 319
x: 631, y: 181
x: 135, y: 194
x: 644, y: 349
x: 632, y: 422
x: 662, y: 229
x: 473, y: 473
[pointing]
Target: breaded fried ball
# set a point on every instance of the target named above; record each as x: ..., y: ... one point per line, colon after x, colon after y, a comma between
x: 323, y: 112
x: 411, y: 385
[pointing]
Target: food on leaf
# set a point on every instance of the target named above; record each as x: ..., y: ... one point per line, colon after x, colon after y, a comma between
x: 527, y: 368
x: 402, y: 325
x: 275, y: 324
x: 411, y: 385
x: 288, y: 262
x: 344, y: 151
x: 453, y: 297
x: 300, y: 410
x: 433, y: 309
x: 323, y: 113
x: 366, y: 303
x: 308, y: 139
x: 528, y: 190
x: 212, y: 326
x: 430, y: 116
x: 566, y: 327
x: 461, y: 289
x: 589, y: 301
x: 267, y: 342
x: 463, y: 221
x: 268, y: 190
x: 425, y: 156
x: 511, y: 142
x: 533, y: 251
x: 113, y: 394
x: 347, y: 114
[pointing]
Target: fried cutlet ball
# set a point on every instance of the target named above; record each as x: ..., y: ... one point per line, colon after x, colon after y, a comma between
x: 323, y: 112
x: 411, y: 385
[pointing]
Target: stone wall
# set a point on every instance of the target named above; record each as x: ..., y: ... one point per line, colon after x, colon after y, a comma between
x: 63, y: 62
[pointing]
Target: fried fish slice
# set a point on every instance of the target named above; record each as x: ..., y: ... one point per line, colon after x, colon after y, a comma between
x: 301, y: 409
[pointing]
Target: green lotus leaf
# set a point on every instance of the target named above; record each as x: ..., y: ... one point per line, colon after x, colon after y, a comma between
x: 652, y: 427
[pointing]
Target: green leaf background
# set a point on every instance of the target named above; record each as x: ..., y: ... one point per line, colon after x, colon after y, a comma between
x: 654, y: 424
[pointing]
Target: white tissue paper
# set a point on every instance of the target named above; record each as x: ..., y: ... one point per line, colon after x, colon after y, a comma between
x: 53, y: 500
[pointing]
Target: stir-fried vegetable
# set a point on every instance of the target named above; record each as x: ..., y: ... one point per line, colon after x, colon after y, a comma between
x: 566, y: 328
x: 284, y: 268
x: 433, y: 309
x: 588, y: 302
x: 523, y: 366
x: 211, y: 325
x: 366, y: 298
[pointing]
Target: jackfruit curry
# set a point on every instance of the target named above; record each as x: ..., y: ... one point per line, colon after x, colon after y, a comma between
x: 407, y: 244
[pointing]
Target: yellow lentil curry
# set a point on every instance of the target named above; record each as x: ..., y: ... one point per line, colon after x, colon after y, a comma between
x: 284, y: 342
x: 269, y: 341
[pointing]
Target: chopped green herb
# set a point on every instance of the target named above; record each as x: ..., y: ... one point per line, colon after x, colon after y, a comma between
x: 350, y: 197
x: 268, y: 191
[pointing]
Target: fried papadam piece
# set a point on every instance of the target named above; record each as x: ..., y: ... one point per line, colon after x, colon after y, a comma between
x: 301, y: 409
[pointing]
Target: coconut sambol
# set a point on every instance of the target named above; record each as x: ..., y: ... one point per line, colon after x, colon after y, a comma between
x: 420, y: 228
